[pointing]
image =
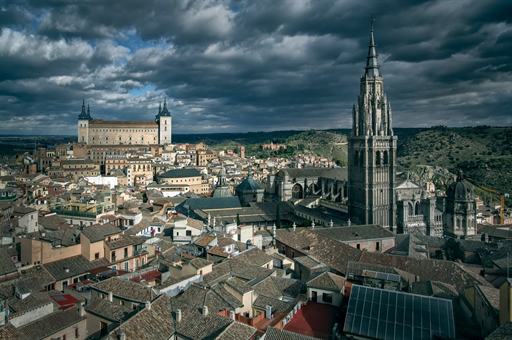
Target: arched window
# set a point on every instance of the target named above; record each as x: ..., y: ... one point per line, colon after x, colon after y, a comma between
x: 416, y: 208
x: 386, y: 159
x: 130, y: 137
x: 119, y: 137
x: 411, y: 209
x: 142, y: 138
x: 356, y: 158
x: 378, y: 159
x: 93, y: 137
x: 106, y: 137
x: 361, y: 158
x: 165, y: 127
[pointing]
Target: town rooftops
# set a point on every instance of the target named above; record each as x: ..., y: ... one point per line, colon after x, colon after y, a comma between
x: 238, y: 331
x: 281, y: 334
x: 199, y: 263
x: 109, y: 310
x: 98, y: 232
x: 72, y: 266
x: 20, y: 211
x: 47, y: 326
x: 356, y: 233
x: 150, y: 323
x: 327, y: 281
x: 253, y: 256
x: 124, y: 289
x: 210, y: 203
x: 180, y: 173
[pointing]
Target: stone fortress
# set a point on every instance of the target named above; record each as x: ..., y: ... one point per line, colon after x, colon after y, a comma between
x: 107, y: 133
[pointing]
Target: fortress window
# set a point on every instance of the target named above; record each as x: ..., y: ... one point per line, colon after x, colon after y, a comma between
x: 93, y: 138
x: 119, y: 137
x: 166, y: 128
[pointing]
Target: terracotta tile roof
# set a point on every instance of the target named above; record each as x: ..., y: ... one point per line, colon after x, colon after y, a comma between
x: 280, y: 334
x: 238, y: 331
x: 218, y: 252
x: 195, y: 223
x: 51, y: 324
x: 224, y: 241
x: 333, y: 253
x: 9, y: 332
x: 124, y: 241
x: 108, y: 310
x: 327, y: 281
x: 125, y: 289
x: 6, y: 264
x: 173, y: 280
x: 204, y: 241
x: 148, y: 324
x: 253, y: 256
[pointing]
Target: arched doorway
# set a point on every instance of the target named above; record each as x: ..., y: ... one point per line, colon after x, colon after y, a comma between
x: 297, y: 191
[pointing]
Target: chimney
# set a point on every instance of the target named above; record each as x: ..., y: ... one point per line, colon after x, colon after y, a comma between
x: 178, y: 315
x: 148, y: 305
x: 110, y: 297
x: 205, y: 310
x: 232, y: 315
x: 81, y: 311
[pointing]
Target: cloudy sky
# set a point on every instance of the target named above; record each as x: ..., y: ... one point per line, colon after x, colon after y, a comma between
x: 253, y: 65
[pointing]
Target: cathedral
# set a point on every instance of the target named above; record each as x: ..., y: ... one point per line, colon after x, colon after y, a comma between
x: 375, y: 196
x: 372, y: 151
x: 108, y: 133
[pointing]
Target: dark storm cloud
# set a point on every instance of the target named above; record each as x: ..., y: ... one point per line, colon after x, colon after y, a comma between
x: 228, y: 66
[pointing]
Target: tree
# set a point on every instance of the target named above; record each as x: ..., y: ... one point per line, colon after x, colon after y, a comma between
x: 306, y: 223
x: 439, y: 255
x: 453, y: 250
x: 301, y: 147
x: 278, y: 217
x: 238, y: 219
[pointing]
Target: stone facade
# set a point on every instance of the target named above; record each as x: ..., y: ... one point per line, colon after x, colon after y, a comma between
x: 100, y: 132
x: 372, y: 151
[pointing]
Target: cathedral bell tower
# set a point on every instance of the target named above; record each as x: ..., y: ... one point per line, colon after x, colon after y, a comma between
x: 372, y: 151
x: 83, y: 124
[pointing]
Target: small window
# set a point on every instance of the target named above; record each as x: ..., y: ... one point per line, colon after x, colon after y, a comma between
x: 327, y: 298
x: 377, y: 246
x: 121, y: 302
x: 96, y: 256
x: 358, y: 246
x: 76, y: 333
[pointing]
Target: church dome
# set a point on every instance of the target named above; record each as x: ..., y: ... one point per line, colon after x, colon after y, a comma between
x: 249, y: 184
x: 460, y: 191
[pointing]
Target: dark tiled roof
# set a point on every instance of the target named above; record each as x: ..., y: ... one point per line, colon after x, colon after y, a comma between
x: 280, y: 334
x: 239, y: 285
x: 199, y: 263
x: 149, y: 324
x: 198, y: 297
x: 333, y: 253
x: 238, y: 331
x: 52, y: 222
x: 196, y: 326
x: 263, y: 301
x: 51, y: 324
x: 504, y: 332
x: 72, y: 266
x: 109, y: 310
x: 125, y: 289
x: 6, y: 265
x: 253, y: 256
x: 217, y: 252
x: 23, y: 210
x: 173, y: 280
x: 97, y: 232
x: 209, y: 203
x: 26, y: 304
x: 180, y: 173
x: 357, y: 233
x: 327, y: 281
x: 449, y: 272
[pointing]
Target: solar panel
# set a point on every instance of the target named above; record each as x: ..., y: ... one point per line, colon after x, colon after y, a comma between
x: 392, y: 315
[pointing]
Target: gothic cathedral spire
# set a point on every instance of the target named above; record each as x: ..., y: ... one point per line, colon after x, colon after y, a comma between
x: 372, y: 150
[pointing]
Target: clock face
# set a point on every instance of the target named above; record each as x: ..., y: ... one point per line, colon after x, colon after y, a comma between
x: 296, y: 188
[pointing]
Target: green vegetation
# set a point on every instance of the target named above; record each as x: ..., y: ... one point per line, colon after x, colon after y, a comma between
x: 452, y: 250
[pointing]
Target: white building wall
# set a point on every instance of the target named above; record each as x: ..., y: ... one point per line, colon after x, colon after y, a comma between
x: 103, y: 180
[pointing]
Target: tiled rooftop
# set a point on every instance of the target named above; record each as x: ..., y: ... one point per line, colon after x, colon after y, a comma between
x: 125, y: 289
x: 109, y: 310
x: 50, y: 324
x: 253, y: 256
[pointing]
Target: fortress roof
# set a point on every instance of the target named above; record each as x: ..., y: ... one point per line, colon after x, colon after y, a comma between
x: 118, y: 123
